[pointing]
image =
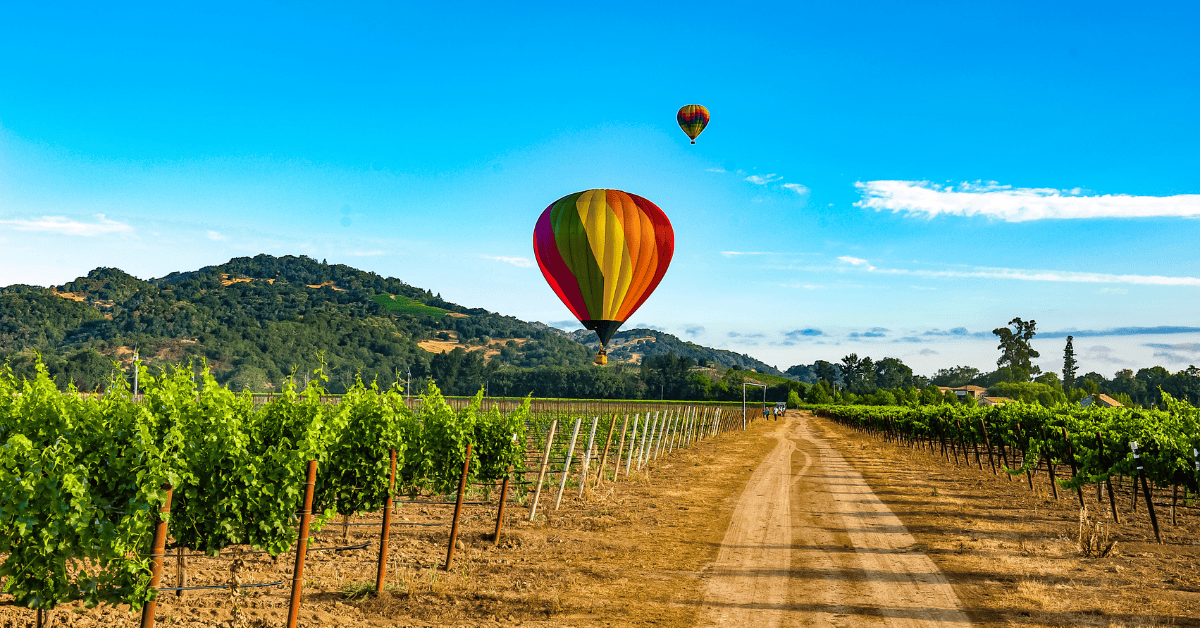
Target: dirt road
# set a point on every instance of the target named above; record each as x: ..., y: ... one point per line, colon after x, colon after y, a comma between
x: 809, y: 544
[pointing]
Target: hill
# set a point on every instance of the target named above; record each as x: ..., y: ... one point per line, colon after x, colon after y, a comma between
x: 635, y: 345
x: 255, y: 320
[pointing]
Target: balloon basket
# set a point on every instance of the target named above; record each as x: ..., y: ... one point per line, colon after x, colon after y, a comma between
x: 601, y: 359
x: 693, y: 141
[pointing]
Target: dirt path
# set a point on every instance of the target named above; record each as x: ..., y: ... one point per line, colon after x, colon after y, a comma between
x: 809, y: 544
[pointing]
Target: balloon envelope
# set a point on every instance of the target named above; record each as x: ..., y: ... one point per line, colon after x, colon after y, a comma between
x: 603, y: 252
x: 692, y: 119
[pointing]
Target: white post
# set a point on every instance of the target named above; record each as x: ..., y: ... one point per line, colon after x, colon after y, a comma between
x: 632, y: 442
x: 562, y: 486
x: 647, y: 433
x: 587, y: 456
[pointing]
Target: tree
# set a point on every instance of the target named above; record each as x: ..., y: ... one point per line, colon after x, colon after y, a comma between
x: 819, y: 393
x: 955, y: 377
x: 891, y: 373
x: 826, y: 372
x: 1069, y: 365
x: 858, y: 376
x: 1016, y: 353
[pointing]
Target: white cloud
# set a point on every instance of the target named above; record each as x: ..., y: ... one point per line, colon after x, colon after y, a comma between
x: 66, y: 226
x: 798, y: 188
x: 737, y: 253
x: 1017, y: 204
x: 216, y: 236
x: 716, y: 170
x: 1021, y: 274
x: 857, y: 261
x: 763, y: 179
x: 522, y: 262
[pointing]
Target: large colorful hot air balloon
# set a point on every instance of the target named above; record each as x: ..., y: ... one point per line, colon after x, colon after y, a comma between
x: 603, y: 252
x: 692, y: 119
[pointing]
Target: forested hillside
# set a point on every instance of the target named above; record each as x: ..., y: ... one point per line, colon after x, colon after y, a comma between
x: 255, y: 320
x: 636, y: 344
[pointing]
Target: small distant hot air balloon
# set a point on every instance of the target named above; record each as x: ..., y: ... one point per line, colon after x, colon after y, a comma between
x: 692, y: 119
x: 603, y: 252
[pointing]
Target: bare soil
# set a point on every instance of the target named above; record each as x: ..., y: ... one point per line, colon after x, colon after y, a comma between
x: 796, y: 522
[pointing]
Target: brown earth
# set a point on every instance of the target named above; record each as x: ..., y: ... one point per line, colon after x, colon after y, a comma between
x: 797, y: 522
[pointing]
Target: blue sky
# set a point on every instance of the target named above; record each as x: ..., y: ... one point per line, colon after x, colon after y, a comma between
x: 889, y: 179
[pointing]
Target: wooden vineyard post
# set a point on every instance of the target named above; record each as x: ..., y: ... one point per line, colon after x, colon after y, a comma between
x: 1141, y: 476
x: 604, y: 457
x: 462, y: 488
x: 988, y: 441
x: 302, y: 546
x: 1024, y: 452
x: 180, y: 571
x: 1134, y: 485
x: 620, y: 448
x: 157, y: 549
x: 1074, y: 466
x: 381, y: 572
x: 537, y: 493
x: 632, y: 443
x: 587, y: 456
x: 500, y: 513
x: 1112, y: 498
x: 562, y: 486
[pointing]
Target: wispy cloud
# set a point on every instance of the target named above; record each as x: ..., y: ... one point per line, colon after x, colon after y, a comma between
x: 737, y: 253
x: 763, y: 179
x: 717, y: 169
x: 857, y: 261
x: 693, y: 330
x: 798, y: 188
x: 796, y: 334
x: 957, y: 331
x: 1003, y: 202
x: 67, y: 226
x: 522, y: 262
x: 1175, y: 353
x: 374, y: 253
x: 1121, y: 331
x: 1101, y: 353
x: 216, y: 236
x: 929, y: 352
x: 1022, y: 274
x: 734, y: 334
x: 1187, y: 347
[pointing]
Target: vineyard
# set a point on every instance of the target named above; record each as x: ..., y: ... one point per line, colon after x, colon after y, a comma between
x: 1072, y: 446
x: 84, y: 480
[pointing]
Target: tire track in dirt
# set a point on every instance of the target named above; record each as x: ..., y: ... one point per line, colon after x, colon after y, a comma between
x: 809, y: 544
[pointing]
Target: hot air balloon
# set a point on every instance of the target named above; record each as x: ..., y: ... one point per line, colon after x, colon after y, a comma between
x: 692, y: 119
x: 603, y: 252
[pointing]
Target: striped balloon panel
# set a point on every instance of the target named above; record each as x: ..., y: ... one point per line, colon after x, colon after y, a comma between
x: 692, y: 119
x: 603, y: 252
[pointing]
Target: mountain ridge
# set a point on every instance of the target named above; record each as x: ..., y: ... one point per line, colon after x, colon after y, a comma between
x: 257, y: 319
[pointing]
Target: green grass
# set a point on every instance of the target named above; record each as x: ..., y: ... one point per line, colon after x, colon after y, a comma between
x: 405, y: 305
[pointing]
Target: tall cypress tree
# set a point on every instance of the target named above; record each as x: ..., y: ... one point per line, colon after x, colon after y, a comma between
x: 1069, y: 364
